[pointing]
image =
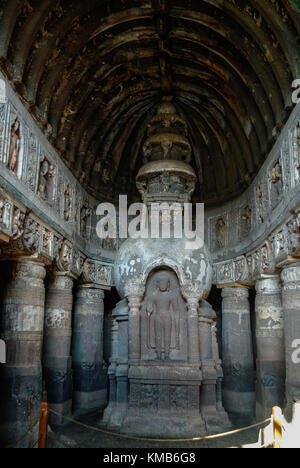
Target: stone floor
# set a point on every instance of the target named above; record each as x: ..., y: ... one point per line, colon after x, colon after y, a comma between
x: 74, y: 436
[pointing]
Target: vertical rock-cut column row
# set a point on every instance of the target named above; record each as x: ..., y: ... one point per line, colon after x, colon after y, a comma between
x: 290, y: 276
x: 237, y: 354
x: 270, y: 346
x: 87, y: 350
x: 57, y: 345
x: 22, y: 323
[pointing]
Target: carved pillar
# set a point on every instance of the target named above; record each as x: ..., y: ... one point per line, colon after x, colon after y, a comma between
x: 112, y: 398
x: 290, y: 276
x: 270, y: 346
x: 121, y: 374
x: 22, y: 330
x: 237, y: 355
x: 134, y: 325
x: 193, y: 330
x: 87, y: 349
x: 209, y: 375
x: 57, y: 344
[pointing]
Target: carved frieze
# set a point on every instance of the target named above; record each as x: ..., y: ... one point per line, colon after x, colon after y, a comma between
x: 233, y: 271
x: 98, y: 273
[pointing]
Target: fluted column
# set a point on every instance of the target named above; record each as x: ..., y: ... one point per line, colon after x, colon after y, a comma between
x: 87, y: 350
x: 290, y: 276
x: 237, y: 354
x: 22, y: 330
x: 57, y: 344
x: 270, y: 346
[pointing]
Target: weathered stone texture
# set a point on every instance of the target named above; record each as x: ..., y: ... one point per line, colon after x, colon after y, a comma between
x: 22, y: 320
x: 270, y: 346
x: 57, y: 344
x: 87, y: 350
x: 237, y: 353
x: 291, y: 309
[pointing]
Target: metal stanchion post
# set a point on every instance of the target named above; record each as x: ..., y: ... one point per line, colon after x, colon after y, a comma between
x: 277, y: 427
x: 43, y: 427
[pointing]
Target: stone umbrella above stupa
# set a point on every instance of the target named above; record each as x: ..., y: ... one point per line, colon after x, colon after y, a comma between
x: 165, y: 177
x: 166, y: 174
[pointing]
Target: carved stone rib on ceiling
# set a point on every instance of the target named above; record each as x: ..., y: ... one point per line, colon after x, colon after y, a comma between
x: 80, y: 65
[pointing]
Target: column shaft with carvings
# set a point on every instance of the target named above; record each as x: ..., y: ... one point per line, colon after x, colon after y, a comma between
x: 270, y: 346
x: 290, y: 276
x: 237, y: 354
x: 57, y: 344
x: 193, y: 330
x: 87, y: 350
x: 22, y: 330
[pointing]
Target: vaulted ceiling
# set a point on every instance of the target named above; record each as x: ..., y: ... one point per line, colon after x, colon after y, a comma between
x: 93, y: 72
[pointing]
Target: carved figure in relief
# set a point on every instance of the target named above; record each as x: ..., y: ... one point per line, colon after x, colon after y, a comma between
x: 67, y: 204
x: 277, y: 184
x: 160, y: 304
x: 260, y: 207
x: 298, y: 134
x: 18, y: 223
x: 31, y: 237
x: 84, y: 219
x: 104, y: 274
x: 220, y: 227
x: 4, y: 213
x: 14, y: 147
x: 246, y: 220
x: 46, y: 180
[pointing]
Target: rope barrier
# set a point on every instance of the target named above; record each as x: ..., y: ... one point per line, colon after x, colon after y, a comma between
x: 57, y: 439
x: 25, y: 435
x: 146, y: 439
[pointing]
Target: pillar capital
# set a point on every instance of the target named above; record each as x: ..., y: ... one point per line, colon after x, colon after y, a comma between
x: 290, y: 276
x: 134, y: 289
x: 134, y: 304
x: 238, y: 291
x: 269, y: 284
x: 193, y: 305
x: 90, y: 293
x: 60, y: 281
x: 26, y: 268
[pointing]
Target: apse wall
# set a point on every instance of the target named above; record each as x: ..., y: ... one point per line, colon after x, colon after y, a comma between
x: 258, y: 230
